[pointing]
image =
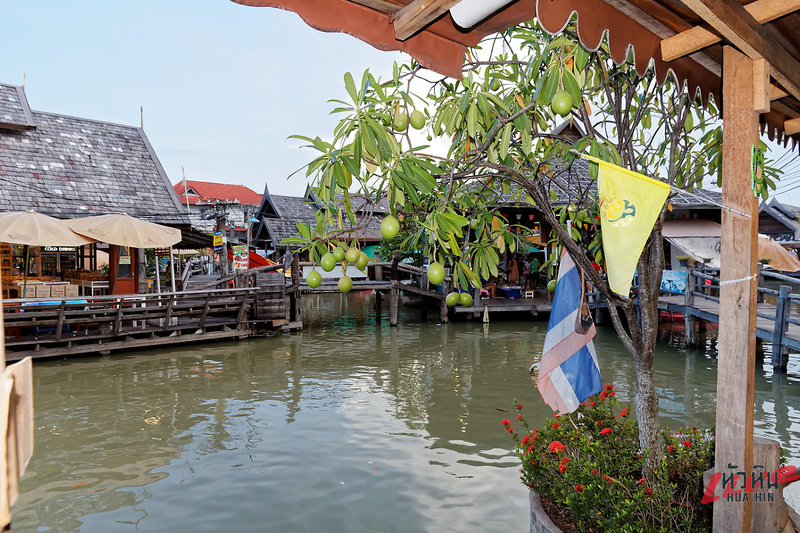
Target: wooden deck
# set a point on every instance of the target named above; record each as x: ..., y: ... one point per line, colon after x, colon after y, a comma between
x: 57, y: 328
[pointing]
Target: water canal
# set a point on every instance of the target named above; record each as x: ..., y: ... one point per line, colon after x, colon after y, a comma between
x: 349, y: 426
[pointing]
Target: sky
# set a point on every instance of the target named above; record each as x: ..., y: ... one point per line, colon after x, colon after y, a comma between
x: 222, y: 85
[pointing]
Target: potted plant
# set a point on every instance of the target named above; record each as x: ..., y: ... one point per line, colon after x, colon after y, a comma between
x: 586, y: 468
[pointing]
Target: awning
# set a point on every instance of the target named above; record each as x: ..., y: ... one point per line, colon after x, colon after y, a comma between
x: 707, y: 250
x: 691, y: 227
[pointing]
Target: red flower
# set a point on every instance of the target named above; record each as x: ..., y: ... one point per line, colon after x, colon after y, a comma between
x: 603, y: 395
x: 606, y: 431
x: 505, y: 421
x: 594, y: 471
x: 598, y: 423
x: 641, y: 481
x: 519, y: 406
x: 609, y: 386
x: 687, y: 443
x: 671, y: 448
x: 648, y: 491
x: 556, y: 446
x: 592, y: 404
x: 510, y: 429
x: 694, y: 428
x: 526, y: 439
x: 578, y: 488
x: 612, y: 393
x: 623, y: 413
x: 556, y: 425
x: 518, y: 417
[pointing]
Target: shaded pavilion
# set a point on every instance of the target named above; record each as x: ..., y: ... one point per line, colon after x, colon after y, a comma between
x: 746, y: 54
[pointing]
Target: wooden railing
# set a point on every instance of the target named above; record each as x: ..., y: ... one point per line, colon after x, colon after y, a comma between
x: 705, y: 285
x: 79, y: 325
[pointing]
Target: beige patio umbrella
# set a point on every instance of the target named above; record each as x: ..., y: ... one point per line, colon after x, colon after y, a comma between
x: 35, y: 229
x: 125, y: 230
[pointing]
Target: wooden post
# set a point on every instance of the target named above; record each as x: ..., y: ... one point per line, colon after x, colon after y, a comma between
x: 688, y: 302
x: 782, y: 310
x: 296, y: 312
x: 394, y: 297
x: 60, y: 324
x: 444, y: 312
x: 171, y: 270
x: 737, y: 308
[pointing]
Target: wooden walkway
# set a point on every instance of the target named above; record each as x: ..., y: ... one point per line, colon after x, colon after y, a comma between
x: 774, y: 320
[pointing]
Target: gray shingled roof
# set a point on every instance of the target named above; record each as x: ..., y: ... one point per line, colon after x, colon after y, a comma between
x: 15, y: 113
x: 72, y: 167
x: 574, y: 184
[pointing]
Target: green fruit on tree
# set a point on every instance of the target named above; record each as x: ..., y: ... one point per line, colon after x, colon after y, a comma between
x: 473, y: 223
x: 495, y: 84
x: 338, y: 254
x: 327, y: 262
x: 435, y: 273
x: 363, y: 261
x: 345, y: 284
x: 352, y: 255
x: 452, y: 299
x: 466, y: 299
x: 313, y: 279
x: 551, y: 285
x: 390, y: 227
x: 400, y: 121
x: 417, y: 120
x: 562, y: 103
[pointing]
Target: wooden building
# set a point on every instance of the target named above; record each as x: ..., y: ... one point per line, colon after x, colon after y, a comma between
x: 279, y: 216
x: 71, y: 167
x: 779, y: 221
x: 208, y: 201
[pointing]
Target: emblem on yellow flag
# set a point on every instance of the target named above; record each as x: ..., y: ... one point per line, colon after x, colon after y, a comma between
x: 629, y: 206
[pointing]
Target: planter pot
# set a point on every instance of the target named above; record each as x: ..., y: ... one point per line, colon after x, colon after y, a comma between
x: 540, y: 522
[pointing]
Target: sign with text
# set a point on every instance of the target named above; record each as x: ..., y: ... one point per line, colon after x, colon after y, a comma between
x: 240, y: 257
x: 219, y: 241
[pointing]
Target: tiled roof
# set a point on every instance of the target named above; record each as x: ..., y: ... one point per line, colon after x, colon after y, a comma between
x: 15, y: 113
x: 74, y: 167
x: 210, y: 192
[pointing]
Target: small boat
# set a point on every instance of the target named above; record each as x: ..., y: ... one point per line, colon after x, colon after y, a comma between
x: 671, y: 316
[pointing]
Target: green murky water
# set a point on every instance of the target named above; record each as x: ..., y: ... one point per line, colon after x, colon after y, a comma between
x: 349, y: 426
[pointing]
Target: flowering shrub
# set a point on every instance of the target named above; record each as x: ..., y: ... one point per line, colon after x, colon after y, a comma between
x: 588, y: 465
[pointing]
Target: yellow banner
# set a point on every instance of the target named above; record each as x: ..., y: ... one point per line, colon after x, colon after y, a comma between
x: 629, y: 206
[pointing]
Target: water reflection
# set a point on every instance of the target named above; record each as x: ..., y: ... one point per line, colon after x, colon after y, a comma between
x: 350, y: 425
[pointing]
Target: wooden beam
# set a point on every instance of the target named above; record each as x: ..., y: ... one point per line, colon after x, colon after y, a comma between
x: 737, y: 319
x: 694, y: 39
x: 790, y: 127
x: 776, y: 93
x: 418, y: 14
x: 379, y: 5
x: 761, y: 86
x: 735, y: 24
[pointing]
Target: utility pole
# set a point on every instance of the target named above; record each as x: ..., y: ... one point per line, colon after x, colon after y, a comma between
x: 221, y: 226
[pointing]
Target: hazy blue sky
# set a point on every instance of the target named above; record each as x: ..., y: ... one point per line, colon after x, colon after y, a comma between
x: 222, y: 85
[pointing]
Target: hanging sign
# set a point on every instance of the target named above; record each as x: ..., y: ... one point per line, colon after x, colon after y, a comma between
x: 240, y: 257
x: 757, y: 171
x: 219, y: 241
x: 161, y: 252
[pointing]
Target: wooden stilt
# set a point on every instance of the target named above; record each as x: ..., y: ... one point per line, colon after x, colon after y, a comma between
x: 378, y: 305
x: 688, y: 319
x: 736, y: 361
x: 394, y: 301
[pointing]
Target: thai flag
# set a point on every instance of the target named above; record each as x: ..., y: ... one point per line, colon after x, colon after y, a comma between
x: 568, y: 370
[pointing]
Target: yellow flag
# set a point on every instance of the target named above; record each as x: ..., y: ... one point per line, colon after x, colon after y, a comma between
x: 629, y: 206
